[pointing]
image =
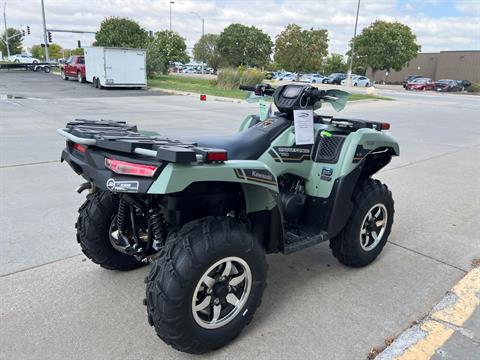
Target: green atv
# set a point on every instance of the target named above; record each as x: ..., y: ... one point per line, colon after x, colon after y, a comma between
x: 204, y: 213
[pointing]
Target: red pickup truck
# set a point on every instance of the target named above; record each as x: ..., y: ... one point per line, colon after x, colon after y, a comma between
x: 74, y: 67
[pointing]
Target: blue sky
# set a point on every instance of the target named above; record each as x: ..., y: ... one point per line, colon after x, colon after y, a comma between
x: 438, y: 24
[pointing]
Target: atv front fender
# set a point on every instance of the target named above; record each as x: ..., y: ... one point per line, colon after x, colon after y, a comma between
x: 258, y: 182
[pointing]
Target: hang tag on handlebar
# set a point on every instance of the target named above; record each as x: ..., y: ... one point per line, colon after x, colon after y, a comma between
x: 303, y: 121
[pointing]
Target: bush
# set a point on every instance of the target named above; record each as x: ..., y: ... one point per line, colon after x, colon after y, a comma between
x: 231, y: 78
x: 474, y: 87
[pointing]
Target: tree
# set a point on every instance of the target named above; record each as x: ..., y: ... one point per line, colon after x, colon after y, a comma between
x: 55, y: 51
x: 244, y: 45
x: 335, y: 64
x: 37, y: 52
x: 121, y: 32
x: 164, y: 48
x: 206, y: 50
x: 14, y: 44
x: 77, y: 51
x: 301, y: 50
x: 386, y: 45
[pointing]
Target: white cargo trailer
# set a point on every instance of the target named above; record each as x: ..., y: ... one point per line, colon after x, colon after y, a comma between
x: 115, y: 67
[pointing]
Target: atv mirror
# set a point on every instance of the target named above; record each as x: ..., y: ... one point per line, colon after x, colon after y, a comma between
x: 337, y: 98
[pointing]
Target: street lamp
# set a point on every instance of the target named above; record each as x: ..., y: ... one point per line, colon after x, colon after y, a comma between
x: 203, y: 33
x: 349, y: 74
x: 171, y: 2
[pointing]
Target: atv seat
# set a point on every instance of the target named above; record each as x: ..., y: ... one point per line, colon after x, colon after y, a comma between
x: 249, y: 144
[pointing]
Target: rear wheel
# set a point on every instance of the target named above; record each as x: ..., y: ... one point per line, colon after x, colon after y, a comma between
x: 79, y: 77
x: 206, y: 285
x: 93, y: 232
x: 369, y: 226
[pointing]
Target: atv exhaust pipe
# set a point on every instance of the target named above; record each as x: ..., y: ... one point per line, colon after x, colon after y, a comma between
x: 84, y: 186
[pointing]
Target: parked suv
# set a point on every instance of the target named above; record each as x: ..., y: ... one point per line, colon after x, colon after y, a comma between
x: 74, y: 67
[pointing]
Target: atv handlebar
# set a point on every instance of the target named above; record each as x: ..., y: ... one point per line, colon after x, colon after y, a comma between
x: 247, y: 88
x: 259, y: 89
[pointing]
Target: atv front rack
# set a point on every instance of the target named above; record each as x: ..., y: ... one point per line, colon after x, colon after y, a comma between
x: 125, y: 138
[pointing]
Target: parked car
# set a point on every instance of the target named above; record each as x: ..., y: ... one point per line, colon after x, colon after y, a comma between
x: 465, y: 83
x: 420, y: 84
x: 312, y: 78
x: 410, y: 78
x: 335, y: 78
x: 358, y: 80
x: 448, y: 85
x: 74, y: 67
x: 290, y: 77
x: 23, y: 59
x: 282, y: 75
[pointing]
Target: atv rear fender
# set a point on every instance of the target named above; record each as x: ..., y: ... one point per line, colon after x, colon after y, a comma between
x: 258, y: 182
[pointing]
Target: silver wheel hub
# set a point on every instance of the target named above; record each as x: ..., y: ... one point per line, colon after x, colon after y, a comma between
x: 373, y: 227
x: 221, y: 292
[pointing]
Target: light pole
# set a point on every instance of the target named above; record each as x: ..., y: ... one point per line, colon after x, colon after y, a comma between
x: 171, y: 2
x: 203, y: 33
x: 6, y: 32
x: 45, y: 41
x: 349, y: 74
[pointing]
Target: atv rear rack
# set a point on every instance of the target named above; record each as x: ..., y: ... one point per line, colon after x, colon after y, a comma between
x: 125, y: 138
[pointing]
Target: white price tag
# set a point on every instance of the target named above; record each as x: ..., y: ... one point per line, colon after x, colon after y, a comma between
x: 303, y: 120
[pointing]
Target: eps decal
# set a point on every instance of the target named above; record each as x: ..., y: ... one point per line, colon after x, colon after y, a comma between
x: 360, y: 153
x: 122, y: 186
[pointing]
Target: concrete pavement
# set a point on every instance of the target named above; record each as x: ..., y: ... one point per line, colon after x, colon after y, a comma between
x: 56, y: 305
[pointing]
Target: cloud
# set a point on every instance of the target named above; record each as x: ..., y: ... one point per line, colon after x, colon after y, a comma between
x: 434, y: 32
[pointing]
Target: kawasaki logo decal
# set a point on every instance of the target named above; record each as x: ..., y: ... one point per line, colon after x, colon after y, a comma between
x: 256, y: 175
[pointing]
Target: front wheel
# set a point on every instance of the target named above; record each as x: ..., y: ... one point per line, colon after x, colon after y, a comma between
x: 206, y: 285
x: 62, y: 74
x: 369, y: 226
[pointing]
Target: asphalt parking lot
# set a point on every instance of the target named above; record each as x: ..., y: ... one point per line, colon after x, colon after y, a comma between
x: 56, y: 305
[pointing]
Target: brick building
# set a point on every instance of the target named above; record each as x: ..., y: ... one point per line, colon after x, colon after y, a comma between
x: 460, y: 65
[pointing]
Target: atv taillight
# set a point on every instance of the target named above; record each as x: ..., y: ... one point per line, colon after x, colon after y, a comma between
x: 128, y: 168
x: 79, y: 148
x: 217, y: 156
x: 385, y: 126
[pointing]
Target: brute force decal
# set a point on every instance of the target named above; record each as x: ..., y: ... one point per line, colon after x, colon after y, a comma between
x: 294, y: 154
x: 256, y: 175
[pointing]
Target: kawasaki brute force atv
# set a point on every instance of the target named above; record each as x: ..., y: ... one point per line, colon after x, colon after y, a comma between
x: 205, y: 212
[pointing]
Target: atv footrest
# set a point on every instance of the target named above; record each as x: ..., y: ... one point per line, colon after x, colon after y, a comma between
x: 295, y: 242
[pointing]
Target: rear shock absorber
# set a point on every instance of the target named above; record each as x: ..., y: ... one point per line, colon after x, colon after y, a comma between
x: 156, y: 228
x: 122, y: 215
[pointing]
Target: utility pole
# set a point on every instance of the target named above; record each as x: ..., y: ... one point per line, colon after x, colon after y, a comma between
x: 45, y: 40
x: 171, y: 2
x: 6, y: 32
x: 349, y: 74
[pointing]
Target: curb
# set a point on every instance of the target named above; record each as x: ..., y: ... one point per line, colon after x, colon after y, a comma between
x: 421, y: 341
x: 186, y: 93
